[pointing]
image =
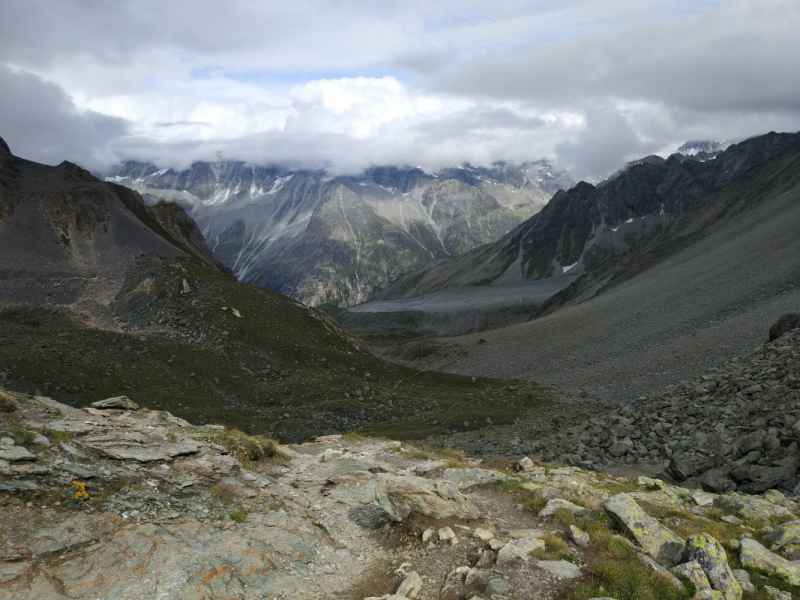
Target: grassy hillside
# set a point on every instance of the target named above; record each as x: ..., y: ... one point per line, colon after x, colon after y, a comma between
x: 280, y: 368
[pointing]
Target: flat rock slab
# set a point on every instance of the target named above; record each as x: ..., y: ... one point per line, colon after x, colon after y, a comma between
x: 401, y: 496
x: 122, y: 402
x: 70, y: 426
x: 142, y: 455
x: 78, y: 471
x: 658, y: 541
x: 218, y: 463
x: 194, y: 560
x: 29, y: 469
x: 18, y: 484
x: 521, y: 549
x: 466, y: 478
x: 557, y: 503
x: 182, y: 449
x: 16, y: 454
x: 560, y: 568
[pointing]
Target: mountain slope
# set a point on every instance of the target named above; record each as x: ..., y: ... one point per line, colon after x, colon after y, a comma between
x: 340, y: 240
x: 101, y: 295
x: 581, y: 228
x: 700, y: 293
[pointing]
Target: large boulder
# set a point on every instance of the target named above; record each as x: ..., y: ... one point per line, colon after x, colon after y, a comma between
x: 401, y: 496
x: 755, y: 556
x: 521, y: 549
x: 710, y: 555
x: 786, y: 540
x: 783, y: 325
x: 756, y: 479
x: 751, y: 508
x: 656, y: 540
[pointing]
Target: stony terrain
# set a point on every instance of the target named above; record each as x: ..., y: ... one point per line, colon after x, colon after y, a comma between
x: 118, y: 502
x: 736, y: 426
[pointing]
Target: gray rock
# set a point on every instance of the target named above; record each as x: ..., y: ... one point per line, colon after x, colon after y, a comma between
x: 521, y: 549
x: 122, y: 402
x: 717, y: 480
x: 755, y: 556
x: 777, y: 594
x: 784, y: 325
x: 400, y: 496
x: 78, y: 471
x: 142, y: 455
x: 560, y: 568
x: 711, y: 556
x: 556, y: 503
x: 694, y: 573
x: 18, y: 484
x: 658, y: 541
x: 29, y: 469
x: 466, y: 478
x: 579, y: 537
x: 16, y: 454
x: 411, y: 586
x: 743, y: 577
x: 525, y: 464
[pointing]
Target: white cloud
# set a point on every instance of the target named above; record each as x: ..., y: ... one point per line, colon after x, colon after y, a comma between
x: 347, y: 84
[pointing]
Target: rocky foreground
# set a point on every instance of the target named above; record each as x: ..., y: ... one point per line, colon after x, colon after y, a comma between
x: 116, y: 502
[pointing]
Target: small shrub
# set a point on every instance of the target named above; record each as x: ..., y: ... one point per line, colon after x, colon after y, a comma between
x: 61, y: 436
x: 75, y: 495
x: 8, y: 403
x: 564, y: 516
x: 322, y: 526
x: 238, y: 515
x: 21, y: 435
x: 224, y: 497
x: 137, y: 487
x: 171, y: 436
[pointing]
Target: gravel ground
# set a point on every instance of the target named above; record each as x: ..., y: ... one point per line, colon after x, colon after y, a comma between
x: 706, y: 304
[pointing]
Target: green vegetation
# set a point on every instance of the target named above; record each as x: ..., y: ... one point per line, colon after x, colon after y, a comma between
x: 238, y: 515
x: 281, y: 370
x: 222, y: 495
x: 247, y: 449
x: 616, y: 572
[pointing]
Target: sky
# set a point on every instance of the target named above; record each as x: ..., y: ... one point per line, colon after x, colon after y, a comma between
x: 343, y: 85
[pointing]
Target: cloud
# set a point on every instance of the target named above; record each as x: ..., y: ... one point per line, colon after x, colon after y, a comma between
x: 348, y: 84
x: 39, y: 122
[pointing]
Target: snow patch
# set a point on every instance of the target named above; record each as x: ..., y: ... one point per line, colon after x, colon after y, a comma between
x: 279, y: 183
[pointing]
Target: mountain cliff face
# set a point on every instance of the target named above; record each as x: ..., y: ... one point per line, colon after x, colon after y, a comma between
x: 340, y: 240
x: 580, y: 229
x: 66, y: 236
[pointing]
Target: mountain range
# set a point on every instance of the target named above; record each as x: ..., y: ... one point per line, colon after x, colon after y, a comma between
x: 340, y: 240
x: 581, y: 228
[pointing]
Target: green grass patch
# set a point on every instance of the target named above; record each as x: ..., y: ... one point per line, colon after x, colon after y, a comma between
x: 238, y: 515
x: 221, y: 495
x: 615, y: 571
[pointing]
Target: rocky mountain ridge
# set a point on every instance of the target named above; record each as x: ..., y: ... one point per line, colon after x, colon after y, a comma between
x: 582, y: 228
x: 339, y: 240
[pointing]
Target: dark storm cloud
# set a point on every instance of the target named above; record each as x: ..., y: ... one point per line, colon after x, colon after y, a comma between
x: 39, y: 122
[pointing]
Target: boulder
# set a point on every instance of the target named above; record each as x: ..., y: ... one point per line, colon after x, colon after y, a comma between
x: 694, y: 573
x: 743, y: 577
x: 579, y: 537
x: 717, y: 480
x: 754, y: 555
x: 525, y: 464
x: 521, y: 549
x: 756, y: 479
x: 400, y: 496
x: 785, y: 324
x: 786, y: 540
x: 658, y: 541
x: 122, y: 402
x: 777, y: 594
x: 711, y: 556
x: 411, y: 586
x: 15, y: 454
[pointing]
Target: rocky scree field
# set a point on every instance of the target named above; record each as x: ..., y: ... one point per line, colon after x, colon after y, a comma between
x: 119, y: 502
